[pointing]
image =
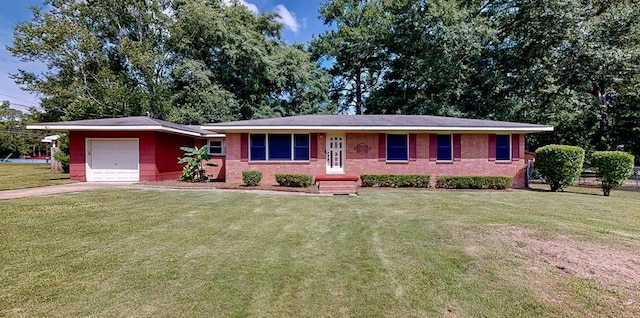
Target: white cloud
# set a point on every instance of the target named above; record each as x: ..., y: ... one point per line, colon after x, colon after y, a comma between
x: 252, y: 7
x: 287, y: 18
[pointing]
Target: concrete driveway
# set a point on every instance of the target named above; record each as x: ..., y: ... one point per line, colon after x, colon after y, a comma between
x: 63, y: 188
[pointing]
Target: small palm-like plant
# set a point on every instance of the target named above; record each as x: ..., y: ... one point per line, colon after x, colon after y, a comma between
x: 195, y: 159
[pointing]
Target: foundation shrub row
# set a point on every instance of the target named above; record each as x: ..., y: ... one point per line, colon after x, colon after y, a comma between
x: 294, y: 180
x: 473, y: 182
x: 395, y: 180
x: 253, y: 178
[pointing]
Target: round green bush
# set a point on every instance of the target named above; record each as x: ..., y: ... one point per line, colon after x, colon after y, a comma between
x: 252, y: 177
x: 559, y: 165
x: 613, y: 168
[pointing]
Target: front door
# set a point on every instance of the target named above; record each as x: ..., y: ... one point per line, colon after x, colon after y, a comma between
x: 336, y: 146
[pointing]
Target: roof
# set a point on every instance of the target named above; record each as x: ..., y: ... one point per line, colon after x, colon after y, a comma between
x: 376, y: 123
x: 139, y: 123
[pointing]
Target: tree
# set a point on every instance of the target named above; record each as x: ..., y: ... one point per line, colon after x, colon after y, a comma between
x: 572, y: 64
x: 232, y: 64
x: 613, y: 168
x: 559, y: 165
x: 187, y: 61
x: 15, y: 139
x: 104, y: 58
x: 194, y: 159
x: 353, y: 49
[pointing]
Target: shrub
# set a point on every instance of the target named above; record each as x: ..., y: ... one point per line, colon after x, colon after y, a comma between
x: 63, y: 159
x: 294, y: 180
x: 252, y: 177
x: 473, y: 182
x: 396, y: 181
x: 559, y: 165
x: 613, y: 168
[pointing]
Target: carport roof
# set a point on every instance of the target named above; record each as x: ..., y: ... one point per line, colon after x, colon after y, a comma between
x: 139, y: 123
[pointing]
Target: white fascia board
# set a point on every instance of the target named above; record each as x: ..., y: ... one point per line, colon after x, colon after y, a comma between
x: 379, y: 128
x: 112, y: 128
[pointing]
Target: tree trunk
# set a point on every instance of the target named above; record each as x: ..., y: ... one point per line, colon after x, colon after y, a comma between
x: 56, y: 167
x: 359, y: 92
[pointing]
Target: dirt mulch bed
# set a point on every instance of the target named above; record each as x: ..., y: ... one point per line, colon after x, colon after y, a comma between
x: 618, y: 266
x: 174, y: 184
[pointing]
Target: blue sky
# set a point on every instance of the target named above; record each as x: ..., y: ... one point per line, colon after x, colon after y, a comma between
x: 300, y: 20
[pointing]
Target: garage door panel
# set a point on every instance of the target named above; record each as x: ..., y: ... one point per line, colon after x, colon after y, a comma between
x: 114, y: 160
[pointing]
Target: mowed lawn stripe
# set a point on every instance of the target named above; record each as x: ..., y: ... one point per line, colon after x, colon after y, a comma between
x: 128, y: 252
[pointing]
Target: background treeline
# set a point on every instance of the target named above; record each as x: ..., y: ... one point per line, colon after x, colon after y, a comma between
x: 573, y: 64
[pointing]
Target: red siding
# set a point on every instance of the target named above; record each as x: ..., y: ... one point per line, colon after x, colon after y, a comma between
x: 362, y: 158
x: 158, y: 153
x: 77, y: 158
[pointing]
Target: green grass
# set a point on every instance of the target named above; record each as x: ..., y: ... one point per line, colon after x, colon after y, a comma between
x: 385, y: 253
x: 21, y: 175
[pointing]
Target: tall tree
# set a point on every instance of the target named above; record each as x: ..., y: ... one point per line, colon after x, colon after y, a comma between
x: 233, y: 64
x: 353, y: 49
x: 188, y: 61
x: 104, y: 58
x: 569, y: 63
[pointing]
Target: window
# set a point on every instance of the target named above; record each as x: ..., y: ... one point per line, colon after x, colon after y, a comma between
x: 216, y: 147
x: 503, y: 147
x: 397, y: 147
x: 258, y: 147
x: 301, y: 147
x: 279, y: 147
x: 445, y: 152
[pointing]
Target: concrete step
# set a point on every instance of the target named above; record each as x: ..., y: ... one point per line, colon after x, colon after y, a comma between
x: 337, y: 187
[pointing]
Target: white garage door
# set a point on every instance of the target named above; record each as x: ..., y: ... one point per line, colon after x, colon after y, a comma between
x: 112, y: 160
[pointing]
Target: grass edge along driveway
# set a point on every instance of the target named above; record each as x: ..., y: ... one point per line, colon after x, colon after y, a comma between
x: 386, y: 253
x: 26, y: 175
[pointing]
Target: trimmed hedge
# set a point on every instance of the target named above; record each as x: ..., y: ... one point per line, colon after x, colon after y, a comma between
x: 395, y: 180
x: 613, y: 168
x: 252, y: 177
x: 294, y: 180
x: 560, y: 165
x: 473, y: 182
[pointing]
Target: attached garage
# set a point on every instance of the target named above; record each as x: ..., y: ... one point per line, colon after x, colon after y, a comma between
x: 112, y: 159
x: 129, y: 149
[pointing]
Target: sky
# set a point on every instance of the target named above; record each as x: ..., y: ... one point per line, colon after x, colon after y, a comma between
x: 300, y: 20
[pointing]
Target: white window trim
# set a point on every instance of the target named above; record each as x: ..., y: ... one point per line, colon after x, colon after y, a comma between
x: 293, y: 148
x: 510, y: 148
x: 450, y: 148
x: 223, y: 146
x: 387, y: 148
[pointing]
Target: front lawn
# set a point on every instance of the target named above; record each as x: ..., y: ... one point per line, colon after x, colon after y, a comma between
x: 27, y: 175
x: 385, y: 253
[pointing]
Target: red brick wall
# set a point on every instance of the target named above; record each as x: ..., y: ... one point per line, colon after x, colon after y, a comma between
x: 218, y: 171
x: 362, y: 158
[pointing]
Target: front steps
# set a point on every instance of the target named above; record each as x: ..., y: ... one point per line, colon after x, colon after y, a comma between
x: 337, y: 184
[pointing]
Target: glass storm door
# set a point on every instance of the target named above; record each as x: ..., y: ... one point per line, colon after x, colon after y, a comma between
x: 335, y: 153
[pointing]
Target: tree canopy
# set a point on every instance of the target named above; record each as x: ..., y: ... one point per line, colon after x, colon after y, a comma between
x: 573, y: 64
x: 188, y: 61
